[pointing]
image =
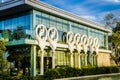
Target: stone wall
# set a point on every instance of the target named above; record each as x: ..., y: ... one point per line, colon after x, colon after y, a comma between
x: 103, y: 59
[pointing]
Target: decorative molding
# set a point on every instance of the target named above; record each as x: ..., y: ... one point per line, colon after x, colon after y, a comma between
x: 70, y: 41
x: 52, y: 37
x: 78, y: 44
x: 34, y: 42
x: 41, y: 36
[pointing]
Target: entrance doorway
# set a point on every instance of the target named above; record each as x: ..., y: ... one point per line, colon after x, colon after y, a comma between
x: 47, y: 63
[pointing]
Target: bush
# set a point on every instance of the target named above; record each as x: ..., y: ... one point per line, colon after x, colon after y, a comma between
x: 114, y: 69
x: 52, y: 74
x: 64, y: 72
x: 89, y: 71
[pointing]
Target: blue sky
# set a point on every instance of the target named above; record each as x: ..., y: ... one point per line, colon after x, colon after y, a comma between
x: 89, y: 9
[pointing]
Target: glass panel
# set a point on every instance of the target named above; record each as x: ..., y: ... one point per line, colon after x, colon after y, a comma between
x: 27, y: 21
x: 38, y: 19
x: 1, y: 25
x: 1, y: 28
x: 61, y: 58
x: 45, y: 19
x: 59, y: 24
x: 14, y: 23
x: 7, y: 24
x: 21, y: 21
x: 82, y: 60
x: 63, y: 25
x: 60, y: 35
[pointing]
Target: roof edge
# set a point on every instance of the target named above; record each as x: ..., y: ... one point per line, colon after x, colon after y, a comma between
x: 49, y: 8
x: 10, y: 4
x: 53, y: 10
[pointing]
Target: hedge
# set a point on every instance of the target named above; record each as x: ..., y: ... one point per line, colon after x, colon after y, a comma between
x: 64, y: 72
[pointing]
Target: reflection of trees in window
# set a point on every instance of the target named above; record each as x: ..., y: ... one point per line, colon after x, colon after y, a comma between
x: 19, y: 33
x: 6, y: 34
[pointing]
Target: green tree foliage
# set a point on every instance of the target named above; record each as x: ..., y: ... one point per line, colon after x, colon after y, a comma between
x: 113, y: 21
x: 2, y: 47
x: 2, y: 50
x: 116, y: 38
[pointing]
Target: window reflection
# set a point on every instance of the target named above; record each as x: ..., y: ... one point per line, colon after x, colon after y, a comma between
x: 11, y: 24
x: 63, y: 25
x: 51, y: 21
x: 14, y: 23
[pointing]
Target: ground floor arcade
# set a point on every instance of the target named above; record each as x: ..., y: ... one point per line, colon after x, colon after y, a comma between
x: 28, y: 59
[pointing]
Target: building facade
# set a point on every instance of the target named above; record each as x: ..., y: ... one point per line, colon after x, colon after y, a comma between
x: 40, y: 37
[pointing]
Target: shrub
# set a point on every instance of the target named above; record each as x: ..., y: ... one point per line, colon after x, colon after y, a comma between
x: 64, y: 72
x: 114, y: 69
x: 89, y: 71
x: 51, y: 74
x: 101, y: 70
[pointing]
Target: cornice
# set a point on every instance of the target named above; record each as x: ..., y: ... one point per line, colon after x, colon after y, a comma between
x: 53, y: 10
x: 59, y: 12
x: 11, y: 3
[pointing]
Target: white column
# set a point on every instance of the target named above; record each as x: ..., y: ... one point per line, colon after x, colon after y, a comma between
x: 86, y: 59
x: 96, y: 59
x: 91, y: 58
x: 79, y: 60
x: 71, y: 59
x: 53, y: 59
x: 33, y: 61
x: 42, y: 63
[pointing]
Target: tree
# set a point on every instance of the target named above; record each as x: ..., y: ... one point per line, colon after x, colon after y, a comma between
x: 116, y: 50
x: 2, y: 47
x: 113, y: 21
x: 2, y: 50
x: 20, y: 55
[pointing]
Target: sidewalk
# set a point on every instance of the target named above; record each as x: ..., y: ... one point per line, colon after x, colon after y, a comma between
x: 90, y: 76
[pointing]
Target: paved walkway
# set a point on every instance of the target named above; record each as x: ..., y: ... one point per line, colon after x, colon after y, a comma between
x: 90, y: 76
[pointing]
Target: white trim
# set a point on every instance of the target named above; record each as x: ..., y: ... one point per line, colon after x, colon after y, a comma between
x: 53, y: 10
x: 34, y: 42
x: 105, y: 51
x: 10, y: 4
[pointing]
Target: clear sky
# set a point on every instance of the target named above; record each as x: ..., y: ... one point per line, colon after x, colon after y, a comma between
x: 90, y: 9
